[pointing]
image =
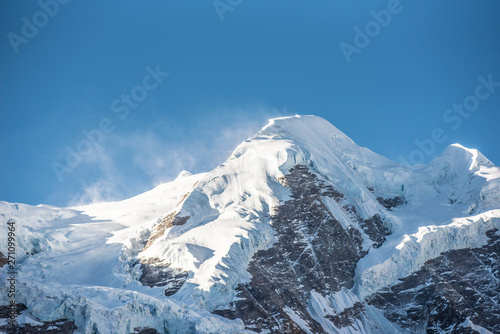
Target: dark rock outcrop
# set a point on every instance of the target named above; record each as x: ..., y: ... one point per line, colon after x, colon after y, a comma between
x: 390, y: 203
x: 348, y: 316
x: 145, y: 330
x: 313, y: 252
x: 62, y: 326
x: 3, y: 260
x: 375, y: 229
x: 155, y: 273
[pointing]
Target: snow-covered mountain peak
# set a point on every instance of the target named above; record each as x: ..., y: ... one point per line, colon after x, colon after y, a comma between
x: 297, y: 230
x: 308, y: 128
x: 241, y: 193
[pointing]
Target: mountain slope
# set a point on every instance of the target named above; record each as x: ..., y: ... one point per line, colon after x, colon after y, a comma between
x: 299, y: 231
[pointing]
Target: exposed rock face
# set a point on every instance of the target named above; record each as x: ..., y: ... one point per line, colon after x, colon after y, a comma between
x: 375, y: 229
x: 348, y: 316
x: 154, y: 273
x: 170, y: 220
x: 3, y: 260
x: 313, y: 253
x: 59, y: 326
x: 390, y: 203
x: 141, y: 330
x: 456, y: 286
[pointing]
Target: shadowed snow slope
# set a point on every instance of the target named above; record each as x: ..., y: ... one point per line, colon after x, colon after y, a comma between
x: 204, y: 236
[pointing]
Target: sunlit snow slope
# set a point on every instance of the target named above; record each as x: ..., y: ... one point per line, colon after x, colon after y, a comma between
x: 196, y: 255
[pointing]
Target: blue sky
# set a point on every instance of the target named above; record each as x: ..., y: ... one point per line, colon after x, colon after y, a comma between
x: 231, y: 65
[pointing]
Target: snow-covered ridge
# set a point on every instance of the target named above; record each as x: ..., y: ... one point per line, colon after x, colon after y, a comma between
x: 410, y: 254
x: 92, y: 250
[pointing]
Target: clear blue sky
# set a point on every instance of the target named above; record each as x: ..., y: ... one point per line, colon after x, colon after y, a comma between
x: 226, y: 77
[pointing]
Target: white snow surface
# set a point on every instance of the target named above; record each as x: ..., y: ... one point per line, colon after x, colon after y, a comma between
x: 83, y: 263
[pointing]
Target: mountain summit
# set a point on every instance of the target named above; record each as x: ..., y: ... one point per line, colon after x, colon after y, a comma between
x: 299, y: 231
